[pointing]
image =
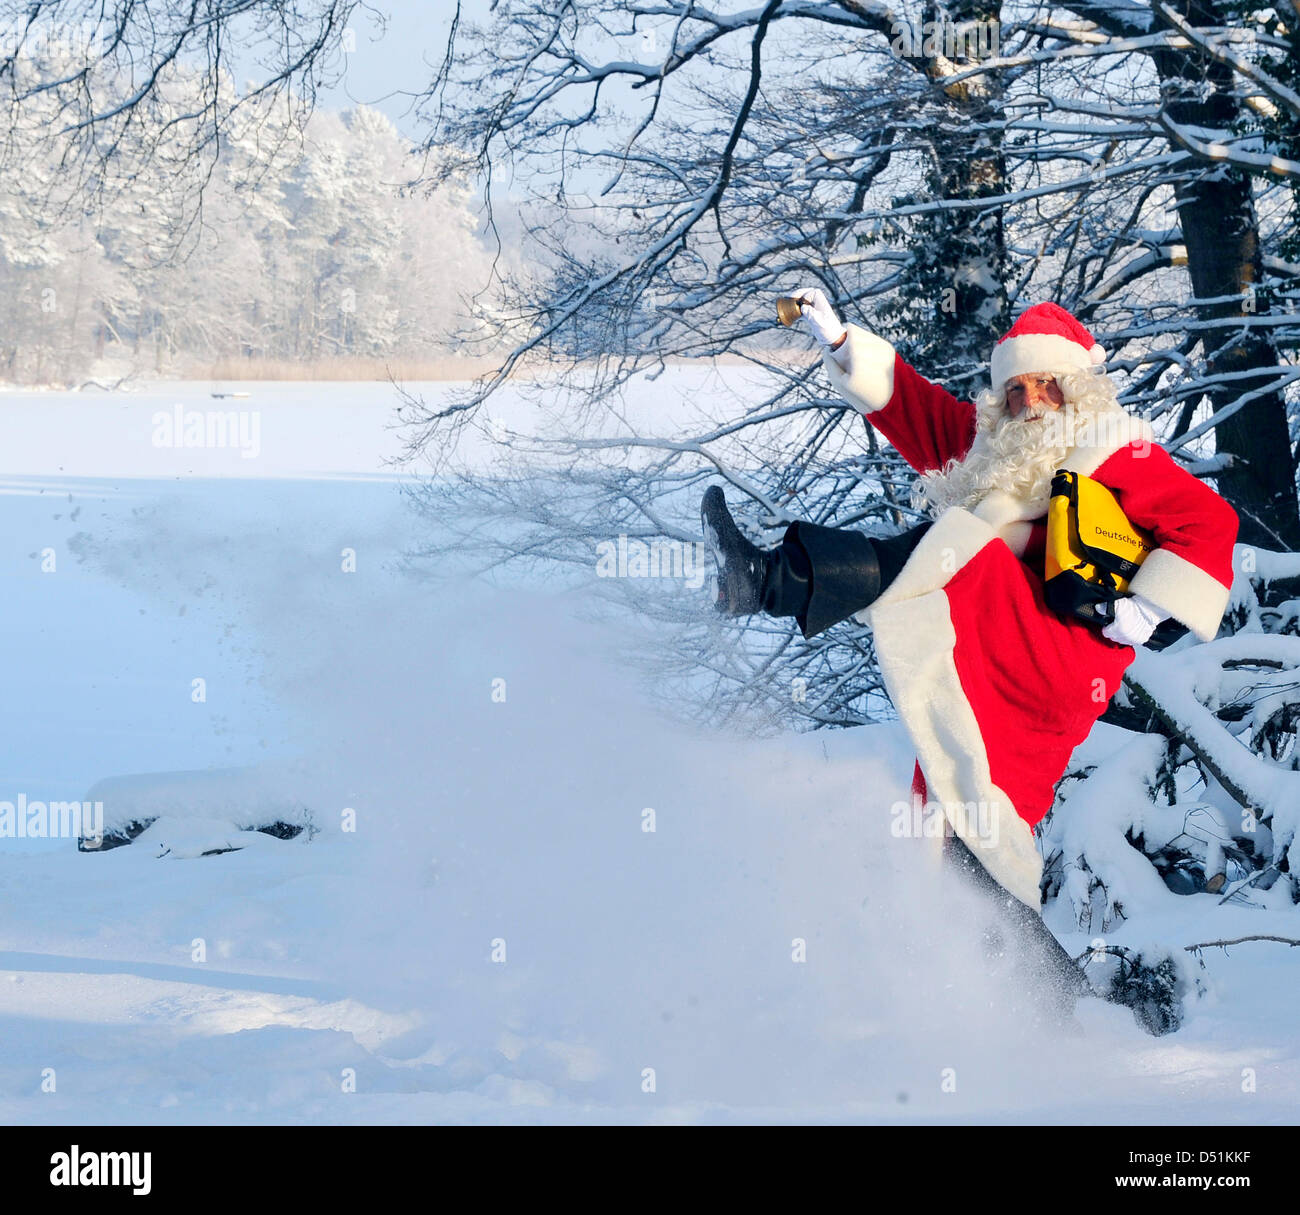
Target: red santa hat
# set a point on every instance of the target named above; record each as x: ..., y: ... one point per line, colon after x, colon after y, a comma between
x: 1044, y: 338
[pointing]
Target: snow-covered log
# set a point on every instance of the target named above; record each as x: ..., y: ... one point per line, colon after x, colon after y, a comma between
x: 195, y: 813
x: 1207, y: 801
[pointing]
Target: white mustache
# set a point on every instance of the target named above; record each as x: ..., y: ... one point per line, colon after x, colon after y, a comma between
x: 1032, y: 411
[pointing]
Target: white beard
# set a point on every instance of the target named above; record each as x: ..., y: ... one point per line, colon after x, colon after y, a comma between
x: 1015, y: 455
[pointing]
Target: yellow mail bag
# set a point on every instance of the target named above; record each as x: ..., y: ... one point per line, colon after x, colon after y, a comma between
x: 1092, y: 548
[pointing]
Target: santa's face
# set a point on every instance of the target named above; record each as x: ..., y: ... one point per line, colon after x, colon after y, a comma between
x: 1033, y: 394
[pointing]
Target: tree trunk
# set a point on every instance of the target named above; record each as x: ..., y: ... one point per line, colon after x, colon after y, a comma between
x: 1217, y: 214
x: 953, y: 303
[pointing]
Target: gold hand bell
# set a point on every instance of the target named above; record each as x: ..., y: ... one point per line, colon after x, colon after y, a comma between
x: 788, y: 309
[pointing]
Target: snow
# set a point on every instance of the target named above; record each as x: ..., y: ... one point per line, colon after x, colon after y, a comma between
x: 451, y: 825
x: 1095, y: 817
x: 1272, y: 788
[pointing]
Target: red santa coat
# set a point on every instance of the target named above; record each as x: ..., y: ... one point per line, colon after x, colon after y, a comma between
x: 994, y: 688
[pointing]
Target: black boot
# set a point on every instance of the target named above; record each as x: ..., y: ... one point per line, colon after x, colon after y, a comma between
x: 846, y: 573
x: 742, y: 566
x: 850, y: 570
x: 777, y: 581
x: 819, y: 575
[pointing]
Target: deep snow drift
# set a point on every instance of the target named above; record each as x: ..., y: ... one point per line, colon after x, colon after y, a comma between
x: 499, y: 938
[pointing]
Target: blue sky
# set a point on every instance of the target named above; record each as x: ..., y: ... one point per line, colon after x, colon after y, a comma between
x: 390, y: 63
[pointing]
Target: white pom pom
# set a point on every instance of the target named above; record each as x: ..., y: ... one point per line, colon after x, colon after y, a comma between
x: 1097, y: 354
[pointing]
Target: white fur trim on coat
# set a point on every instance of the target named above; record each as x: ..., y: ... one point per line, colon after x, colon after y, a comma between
x: 915, y: 641
x: 1036, y: 352
x: 868, y: 384
x: 1182, y: 590
x: 1102, y: 437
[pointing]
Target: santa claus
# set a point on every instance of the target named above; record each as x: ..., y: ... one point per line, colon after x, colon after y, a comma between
x: 994, y: 688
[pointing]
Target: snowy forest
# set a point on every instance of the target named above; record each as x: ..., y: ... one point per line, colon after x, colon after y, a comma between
x: 570, y: 277
x: 307, y: 246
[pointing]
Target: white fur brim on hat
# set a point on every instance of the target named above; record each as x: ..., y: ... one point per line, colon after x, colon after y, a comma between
x: 1031, y: 352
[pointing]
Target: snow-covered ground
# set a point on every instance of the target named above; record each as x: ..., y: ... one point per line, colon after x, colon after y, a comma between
x: 499, y: 938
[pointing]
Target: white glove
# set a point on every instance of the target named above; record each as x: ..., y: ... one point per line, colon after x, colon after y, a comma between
x: 816, y: 309
x: 1135, y: 621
